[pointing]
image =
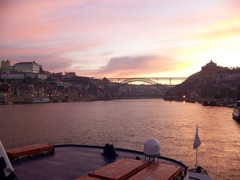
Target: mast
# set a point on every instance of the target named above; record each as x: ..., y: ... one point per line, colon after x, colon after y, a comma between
x: 196, y: 144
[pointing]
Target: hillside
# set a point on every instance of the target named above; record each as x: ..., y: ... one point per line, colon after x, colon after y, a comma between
x: 212, y: 82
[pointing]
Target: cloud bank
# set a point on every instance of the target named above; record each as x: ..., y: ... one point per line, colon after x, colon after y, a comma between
x: 120, y: 38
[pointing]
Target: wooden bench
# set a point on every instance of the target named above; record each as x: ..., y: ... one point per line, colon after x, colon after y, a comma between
x: 29, y: 150
x: 135, y: 169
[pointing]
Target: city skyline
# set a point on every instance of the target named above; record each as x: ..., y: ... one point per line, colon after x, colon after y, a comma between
x: 121, y: 39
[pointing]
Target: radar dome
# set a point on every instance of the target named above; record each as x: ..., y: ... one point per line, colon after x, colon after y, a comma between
x: 151, y: 148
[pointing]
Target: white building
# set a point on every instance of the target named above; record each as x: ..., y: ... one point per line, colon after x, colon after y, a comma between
x: 29, y: 67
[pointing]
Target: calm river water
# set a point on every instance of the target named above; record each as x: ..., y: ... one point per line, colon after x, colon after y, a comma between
x: 128, y: 124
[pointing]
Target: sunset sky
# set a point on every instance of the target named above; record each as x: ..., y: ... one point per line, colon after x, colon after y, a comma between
x: 126, y: 38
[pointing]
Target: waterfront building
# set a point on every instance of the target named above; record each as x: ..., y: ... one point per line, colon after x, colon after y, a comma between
x: 70, y: 75
x: 42, y: 76
x: 12, y: 76
x: 5, y: 66
x: 23, y: 76
x: 29, y: 67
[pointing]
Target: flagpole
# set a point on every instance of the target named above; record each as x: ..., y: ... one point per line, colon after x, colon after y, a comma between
x: 196, y: 144
x: 196, y: 158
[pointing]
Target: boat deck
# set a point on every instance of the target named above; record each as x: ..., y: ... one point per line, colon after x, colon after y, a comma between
x: 70, y: 162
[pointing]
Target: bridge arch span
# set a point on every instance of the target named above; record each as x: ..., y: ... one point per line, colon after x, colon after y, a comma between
x: 161, y: 87
x: 138, y: 80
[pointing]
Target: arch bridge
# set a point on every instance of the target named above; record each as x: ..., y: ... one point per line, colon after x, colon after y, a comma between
x: 163, y: 87
x: 148, y: 79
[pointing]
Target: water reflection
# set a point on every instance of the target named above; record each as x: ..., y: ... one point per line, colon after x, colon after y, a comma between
x: 127, y: 124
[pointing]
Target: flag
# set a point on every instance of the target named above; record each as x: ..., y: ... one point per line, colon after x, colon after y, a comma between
x: 197, y: 141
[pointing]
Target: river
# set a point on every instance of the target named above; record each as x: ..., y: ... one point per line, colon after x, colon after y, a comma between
x: 128, y: 124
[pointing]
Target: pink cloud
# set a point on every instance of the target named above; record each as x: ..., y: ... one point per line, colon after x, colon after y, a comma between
x: 34, y: 20
x: 130, y: 66
x: 52, y: 31
x: 53, y: 48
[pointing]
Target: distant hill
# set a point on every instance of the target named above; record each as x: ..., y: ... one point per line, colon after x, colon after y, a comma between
x: 213, y: 82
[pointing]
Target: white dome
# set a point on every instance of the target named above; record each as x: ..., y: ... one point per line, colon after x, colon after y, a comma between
x: 151, y: 148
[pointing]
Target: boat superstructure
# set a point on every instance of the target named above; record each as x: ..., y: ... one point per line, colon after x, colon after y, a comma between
x: 42, y: 161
